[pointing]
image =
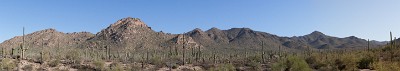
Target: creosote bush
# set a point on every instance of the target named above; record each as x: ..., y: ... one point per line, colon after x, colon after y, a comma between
x: 291, y: 63
x: 7, y: 64
x: 99, y: 65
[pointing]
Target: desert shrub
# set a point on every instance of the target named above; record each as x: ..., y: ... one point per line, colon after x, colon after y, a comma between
x: 256, y: 66
x: 292, y: 63
x: 385, y: 66
x: 172, y: 65
x: 206, y: 65
x: 279, y: 66
x: 156, y: 61
x: 255, y: 58
x: 44, y: 56
x: 316, y: 62
x: 349, y: 62
x: 7, y: 64
x: 73, y: 56
x: 339, y: 64
x: 116, y: 67
x: 54, y: 63
x: 99, y: 65
x: 224, y: 67
x: 28, y: 68
x: 297, y: 63
x: 132, y: 67
x: 364, y: 63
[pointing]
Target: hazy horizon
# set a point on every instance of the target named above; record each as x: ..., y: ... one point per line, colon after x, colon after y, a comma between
x: 366, y: 19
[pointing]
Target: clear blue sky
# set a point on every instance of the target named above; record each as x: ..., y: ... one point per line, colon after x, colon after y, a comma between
x: 368, y: 19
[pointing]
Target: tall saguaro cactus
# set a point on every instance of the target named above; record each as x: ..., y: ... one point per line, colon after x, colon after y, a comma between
x: 183, y: 54
x: 2, y: 52
x: 279, y: 51
x: 368, y: 46
x: 391, y: 41
x: 394, y: 42
x: 23, y: 43
x: 262, y: 52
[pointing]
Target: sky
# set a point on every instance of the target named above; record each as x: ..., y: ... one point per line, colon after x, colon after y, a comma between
x: 367, y: 19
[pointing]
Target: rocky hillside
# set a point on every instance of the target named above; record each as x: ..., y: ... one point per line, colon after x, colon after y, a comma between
x: 245, y: 37
x: 48, y: 38
x: 133, y: 33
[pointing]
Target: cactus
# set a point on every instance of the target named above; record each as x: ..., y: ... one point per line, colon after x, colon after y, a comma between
x: 12, y: 52
x: 394, y: 42
x: 279, y: 51
x: 391, y: 41
x: 214, y: 57
x: 2, y: 52
x: 108, y: 52
x: 147, y: 56
x: 183, y: 53
x: 170, y: 51
x: 262, y: 52
x: 198, y: 54
x: 23, y: 42
x: 41, y: 57
x: 143, y: 61
x: 368, y: 46
x: 193, y: 54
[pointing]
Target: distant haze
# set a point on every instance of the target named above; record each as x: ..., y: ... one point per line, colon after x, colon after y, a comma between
x: 367, y: 19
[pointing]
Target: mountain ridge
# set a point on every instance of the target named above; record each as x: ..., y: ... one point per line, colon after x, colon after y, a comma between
x: 133, y: 33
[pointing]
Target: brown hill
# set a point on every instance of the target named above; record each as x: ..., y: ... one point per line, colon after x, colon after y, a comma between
x: 48, y: 38
x: 133, y: 33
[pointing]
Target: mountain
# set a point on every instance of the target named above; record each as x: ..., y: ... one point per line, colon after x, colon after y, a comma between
x: 48, y: 38
x: 132, y: 33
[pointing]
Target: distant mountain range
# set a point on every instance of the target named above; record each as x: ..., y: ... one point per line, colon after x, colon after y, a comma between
x: 133, y: 33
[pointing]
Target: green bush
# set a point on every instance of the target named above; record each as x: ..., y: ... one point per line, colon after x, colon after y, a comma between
x: 156, y: 61
x: 116, y: 67
x: 8, y: 64
x: 292, y: 63
x: 364, y: 63
x: 254, y: 65
x: 74, y: 56
x: 54, y: 63
x: 386, y: 66
x: 99, y: 65
x: 279, y: 66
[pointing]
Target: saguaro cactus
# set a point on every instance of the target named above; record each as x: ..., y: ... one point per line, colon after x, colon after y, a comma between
x: 368, y: 46
x: 391, y: 41
x: 262, y: 51
x: 2, y: 52
x: 198, y: 54
x: 23, y: 43
x: 12, y: 52
x: 279, y: 51
x: 108, y: 52
x: 394, y: 42
x: 183, y: 53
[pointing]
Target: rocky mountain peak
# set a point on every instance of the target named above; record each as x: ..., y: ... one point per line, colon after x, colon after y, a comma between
x: 129, y: 22
x: 213, y: 29
x: 50, y: 30
x: 317, y: 33
x: 126, y: 25
x: 196, y: 31
x: 47, y: 32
